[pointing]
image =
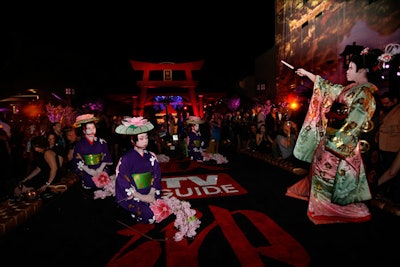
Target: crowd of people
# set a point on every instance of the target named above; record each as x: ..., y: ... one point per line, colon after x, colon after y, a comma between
x: 329, y: 138
x: 28, y: 149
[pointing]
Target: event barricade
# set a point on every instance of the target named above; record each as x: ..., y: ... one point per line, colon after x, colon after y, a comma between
x: 281, y: 163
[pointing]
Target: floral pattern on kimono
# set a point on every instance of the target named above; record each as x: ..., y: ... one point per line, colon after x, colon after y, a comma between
x: 338, y: 179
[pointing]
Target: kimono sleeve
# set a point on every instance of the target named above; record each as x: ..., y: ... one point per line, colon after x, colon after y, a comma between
x: 157, y: 175
x: 123, y: 182
x: 314, y: 125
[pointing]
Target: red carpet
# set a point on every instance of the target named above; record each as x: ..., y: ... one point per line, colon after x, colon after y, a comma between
x: 277, y: 244
x: 185, y: 165
x: 246, y: 220
x: 234, y: 227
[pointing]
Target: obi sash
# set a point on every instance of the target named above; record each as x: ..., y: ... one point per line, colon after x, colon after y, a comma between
x: 142, y: 180
x: 93, y: 159
x: 337, y: 115
x: 196, y: 143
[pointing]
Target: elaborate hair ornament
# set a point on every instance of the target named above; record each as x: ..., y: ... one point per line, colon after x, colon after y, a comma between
x: 390, y: 51
x: 364, y: 51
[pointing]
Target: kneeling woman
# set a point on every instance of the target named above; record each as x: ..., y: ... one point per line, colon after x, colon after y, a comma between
x: 138, y: 172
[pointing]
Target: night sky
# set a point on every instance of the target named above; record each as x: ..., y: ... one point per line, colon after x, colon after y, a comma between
x: 97, y: 62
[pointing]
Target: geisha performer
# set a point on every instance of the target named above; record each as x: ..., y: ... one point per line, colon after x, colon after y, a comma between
x: 91, y: 157
x: 330, y: 139
x: 138, y: 187
x: 195, y: 142
x: 138, y: 172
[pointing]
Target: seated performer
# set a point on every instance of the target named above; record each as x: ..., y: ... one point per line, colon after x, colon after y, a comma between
x: 138, y: 181
x: 195, y: 143
x: 91, y: 157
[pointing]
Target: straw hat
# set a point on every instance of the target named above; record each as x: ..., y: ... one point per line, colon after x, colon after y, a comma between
x: 194, y: 120
x: 85, y: 118
x: 134, y: 125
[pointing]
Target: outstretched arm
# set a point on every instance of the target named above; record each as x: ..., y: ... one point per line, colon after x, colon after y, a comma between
x: 50, y: 157
x: 302, y: 72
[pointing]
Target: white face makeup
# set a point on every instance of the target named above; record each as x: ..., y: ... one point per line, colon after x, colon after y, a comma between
x: 353, y: 75
x: 143, y: 141
x: 90, y: 130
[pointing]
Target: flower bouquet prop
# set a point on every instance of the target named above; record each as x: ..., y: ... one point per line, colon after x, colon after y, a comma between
x: 218, y: 158
x: 107, y: 185
x: 390, y: 51
x: 186, y: 221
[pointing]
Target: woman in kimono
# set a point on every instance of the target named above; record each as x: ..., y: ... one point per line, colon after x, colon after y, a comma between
x: 91, y: 158
x: 138, y: 182
x: 329, y: 139
x: 195, y: 142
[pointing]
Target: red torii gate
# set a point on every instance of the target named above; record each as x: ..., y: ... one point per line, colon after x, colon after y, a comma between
x: 188, y: 84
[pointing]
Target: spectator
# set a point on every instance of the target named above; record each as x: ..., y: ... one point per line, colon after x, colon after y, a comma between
x: 263, y: 140
x: 252, y: 143
x: 71, y: 139
x: 390, y: 173
x: 240, y: 130
x: 46, y: 168
x: 205, y: 130
x: 260, y: 116
x: 389, y: 146
x: 286, y: 140
x: 53, y: 145
x: 216, y: 130
x: 19, y: 159
x: 58, y: 133
x: 272, y: 122
x: 5, y: 164
x: 268, y: 107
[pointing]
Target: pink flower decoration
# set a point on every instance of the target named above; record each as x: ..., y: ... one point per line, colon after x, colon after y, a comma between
x: 107, y: 190
x: 186, y: 221
x: 386, y: 57
x: 101, y: 180
x: 135, y: 121
x: 365, y: 51
x: 100, y: 194
x: 215, y: 156
x: 179, y: 236
x: 160, y: 209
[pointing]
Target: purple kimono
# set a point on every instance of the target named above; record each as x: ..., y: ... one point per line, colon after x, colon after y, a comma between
x: 195, y: 145
x: 91, y: 155
x: 137, y: 173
